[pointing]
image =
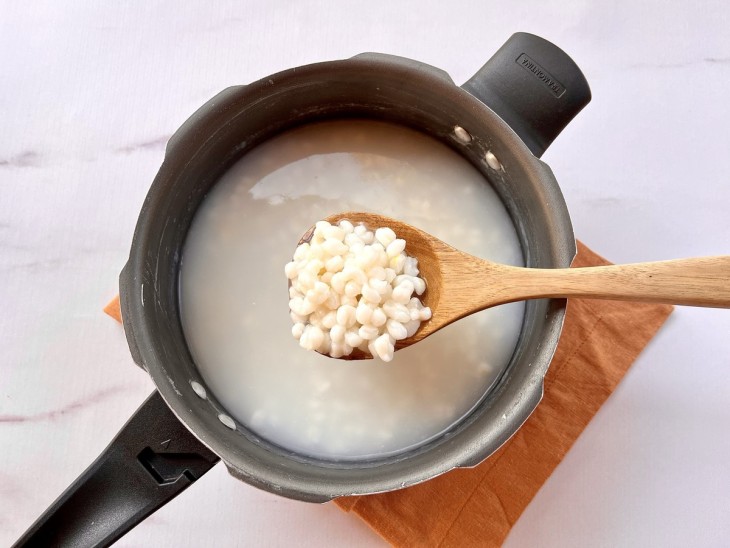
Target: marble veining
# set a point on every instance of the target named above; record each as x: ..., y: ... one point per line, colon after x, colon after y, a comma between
x: 158, y: 143
x: 691, y: 63
x: 28, y: 158
x: 67, y: 409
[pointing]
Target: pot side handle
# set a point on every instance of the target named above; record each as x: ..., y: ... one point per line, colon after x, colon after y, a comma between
x: 152, y: 459
x: 533, y: 86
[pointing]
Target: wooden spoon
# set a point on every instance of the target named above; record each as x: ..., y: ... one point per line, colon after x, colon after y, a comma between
x: 459, y: 284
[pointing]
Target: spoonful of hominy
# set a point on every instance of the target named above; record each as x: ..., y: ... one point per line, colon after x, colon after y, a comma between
x: 363, y: 285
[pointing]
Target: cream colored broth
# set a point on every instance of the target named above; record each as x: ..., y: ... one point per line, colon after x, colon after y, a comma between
x: 234, y: 297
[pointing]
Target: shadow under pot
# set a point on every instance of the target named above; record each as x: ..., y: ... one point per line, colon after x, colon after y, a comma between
x: 500, y: 121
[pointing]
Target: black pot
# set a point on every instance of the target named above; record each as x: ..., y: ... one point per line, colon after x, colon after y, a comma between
x: 501, y: 120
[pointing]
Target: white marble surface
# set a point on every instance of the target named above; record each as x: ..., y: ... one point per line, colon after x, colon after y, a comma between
x: 89, y: 94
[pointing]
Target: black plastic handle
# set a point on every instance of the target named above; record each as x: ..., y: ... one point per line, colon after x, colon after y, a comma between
x: 533, y: 86
x: 151, y: 460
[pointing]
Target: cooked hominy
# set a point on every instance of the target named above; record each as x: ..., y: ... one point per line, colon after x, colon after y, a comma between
x: 346, y: 261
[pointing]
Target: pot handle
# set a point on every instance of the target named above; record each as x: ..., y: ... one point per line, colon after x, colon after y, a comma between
x: 152, y: 459
x: 533, y: 86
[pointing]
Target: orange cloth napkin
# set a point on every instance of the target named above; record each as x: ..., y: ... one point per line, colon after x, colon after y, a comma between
x: 478, y: 506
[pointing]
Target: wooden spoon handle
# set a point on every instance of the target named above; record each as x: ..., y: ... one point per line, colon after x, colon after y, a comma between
x: 703, y: 281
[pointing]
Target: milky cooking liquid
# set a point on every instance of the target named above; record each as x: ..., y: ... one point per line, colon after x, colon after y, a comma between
x: 234, y: 296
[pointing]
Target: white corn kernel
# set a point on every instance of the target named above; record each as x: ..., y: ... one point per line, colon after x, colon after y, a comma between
x: 378, y: 318
x: 291, y: 270
x: 356, y: 249
x: 377, y: 273
x: 334, y: 247
x: 352, y: 288
x: 346, y: 226
x: 329, y: 320
x: 385, y: 236
x: 420, y: 285
x: 396, y: 263
x: 397, y: 311
x: 337, y: 333
x: 402, y: 293
x: 324, y: 348
x: 411, y: 327
x: 346, y: 315
x: 301, y: 252
x: 368, y: 332
x: 379, y: 285
x: 333, y: 301
x: 410, y: 267
x: 370, y: 294
x: 307, y: 280
x: 352, y: 273
x: 384, y: 347
x: 353, y: 339
x: 396, y: 330
x: 363, y: 313
x: 312, y: 337
x: 352, y: 239
x: 336, y: 350
x: 296, y: 318
x: 334, y: 264
x: 315, y: 266
x: 395, y: 248
x: 334, y: 233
